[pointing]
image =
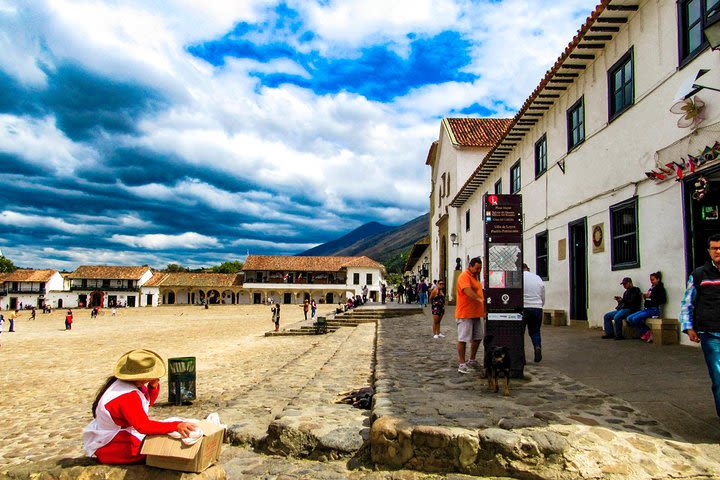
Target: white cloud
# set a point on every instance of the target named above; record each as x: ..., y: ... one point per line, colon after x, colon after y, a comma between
x: 157, y: 241
x: 21, y: 220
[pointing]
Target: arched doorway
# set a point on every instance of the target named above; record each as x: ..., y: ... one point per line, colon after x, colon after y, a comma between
x: 60, y: 303
x: 96, y: 299
x: 213, y: 297
x: 329, y: 298
x: 171, y: 298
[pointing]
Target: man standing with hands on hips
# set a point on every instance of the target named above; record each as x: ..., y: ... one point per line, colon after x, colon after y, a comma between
x: 700, y: 313
x: 470, y: 314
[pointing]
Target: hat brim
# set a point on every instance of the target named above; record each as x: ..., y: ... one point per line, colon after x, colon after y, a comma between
x: 159, y: 369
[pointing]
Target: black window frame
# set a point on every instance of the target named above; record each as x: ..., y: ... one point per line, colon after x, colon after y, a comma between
x: 620, y: 260
x: 356, y: 279
x: 629, y: 57
x: 685, y: 55
x: 498, y: 187
x: 542, y: 255
x: 515, y: 183
x: 541, y: 155
x: 368, y: 279
x: 467, y: 220
x: 571, y: 127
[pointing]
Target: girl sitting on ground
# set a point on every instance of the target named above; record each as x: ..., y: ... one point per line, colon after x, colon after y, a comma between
x: 121, y: 407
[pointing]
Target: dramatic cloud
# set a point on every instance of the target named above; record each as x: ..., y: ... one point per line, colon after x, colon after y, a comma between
x: 194, y: 133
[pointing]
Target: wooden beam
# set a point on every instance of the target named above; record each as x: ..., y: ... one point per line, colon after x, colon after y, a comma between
x: 567, y: 74
x: 543, y: 102
x: 555, y: 88
x: 539, y: 107
x: 534, y: 114
x: 561, y: 80
x: 521, y: 129
x: 623, y: 8
x: 573, y: 66
x: 582, y: 56
x: 594, y: 46
x: 597, y: 37
x: 549, y: 95
x: 605, y: 29
x: 615, y: 20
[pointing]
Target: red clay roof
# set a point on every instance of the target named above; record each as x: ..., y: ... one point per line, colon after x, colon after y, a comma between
x: 189, y: 279
x: 471, y: 185
x: 306, y: 264
x: 106, y: 272
x: 477, y: 132
x: 21, y: 275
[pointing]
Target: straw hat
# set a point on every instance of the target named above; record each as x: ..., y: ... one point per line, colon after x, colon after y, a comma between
x: 140, y: 364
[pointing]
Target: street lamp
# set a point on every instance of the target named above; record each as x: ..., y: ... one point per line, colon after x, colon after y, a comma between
x: 453, y: 239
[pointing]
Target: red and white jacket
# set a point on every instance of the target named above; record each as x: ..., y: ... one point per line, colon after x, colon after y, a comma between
x: 121, y: 422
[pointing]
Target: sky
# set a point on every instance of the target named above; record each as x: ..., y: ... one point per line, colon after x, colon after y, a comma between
x: 136, y: 132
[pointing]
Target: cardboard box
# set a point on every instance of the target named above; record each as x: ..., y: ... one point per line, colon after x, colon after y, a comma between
x: 165, y: 452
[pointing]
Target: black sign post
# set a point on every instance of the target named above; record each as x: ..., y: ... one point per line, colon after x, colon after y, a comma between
x: 504, y: 275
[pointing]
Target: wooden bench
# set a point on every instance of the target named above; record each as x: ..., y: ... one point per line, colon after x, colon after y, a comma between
x: 666, y: 331
x: 556, y: 318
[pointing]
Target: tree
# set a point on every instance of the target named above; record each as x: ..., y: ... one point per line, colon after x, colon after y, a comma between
x: 397, y: 263
x: 174, y: 267
x: 227, y: 267
x: 394, y: 279
x: 6, y: 265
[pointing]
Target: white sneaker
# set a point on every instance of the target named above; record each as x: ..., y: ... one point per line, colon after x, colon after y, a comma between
x: 436, y: 336
x: 441, y: 335
x: 462, y: 368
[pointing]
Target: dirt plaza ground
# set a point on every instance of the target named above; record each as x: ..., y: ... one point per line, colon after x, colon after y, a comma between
x: 49, y: 376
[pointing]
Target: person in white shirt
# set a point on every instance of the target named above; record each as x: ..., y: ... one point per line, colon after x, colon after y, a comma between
x: 533, y: 302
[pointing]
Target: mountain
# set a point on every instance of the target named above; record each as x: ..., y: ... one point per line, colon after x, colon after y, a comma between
x: 377, y: 241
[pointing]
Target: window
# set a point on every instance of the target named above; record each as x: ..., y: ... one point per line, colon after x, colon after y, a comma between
x: 368, y: 279
x: 515, y: 177
x: 576, y: 124
x: 356, y: 279
x: 498, y: 187
x: 541, y: 156
x: 467, y: 221
x: 541, y: 255
x: 624, y: 234
x: 620, y: 85
x: 692, y: 20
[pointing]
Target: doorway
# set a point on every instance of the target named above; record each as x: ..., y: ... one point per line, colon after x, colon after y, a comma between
x: 96, y: 299
x: 701, y: 216
x: 577, y: 231
x: 149, y: 300
x: 60, y: 303
x: 257, y: 298
x: 287, y: 298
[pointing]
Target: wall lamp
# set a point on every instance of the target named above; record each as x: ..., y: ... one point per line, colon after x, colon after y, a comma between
x: 453, y: 239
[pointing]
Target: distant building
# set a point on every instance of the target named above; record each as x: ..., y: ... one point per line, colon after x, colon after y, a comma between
x: 108, y: 286
x: 29, y: 287
x: 187, y: 288
x: 289, y: 279
x: 417, y: 265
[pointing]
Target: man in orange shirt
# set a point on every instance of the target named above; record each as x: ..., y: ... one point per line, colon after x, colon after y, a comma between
x: 469, y: 314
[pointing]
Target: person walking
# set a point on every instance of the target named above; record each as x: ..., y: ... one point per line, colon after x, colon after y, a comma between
x: 383, y: 292
x: 469, y: 314
x: 11, y: 318
x: 655, y: 298
x: 437, y: 308
x: 627, y: 304
x: 401, y: 293
x: 313, y: 309
x: 32, y: 313
x: 69, y: 319
x: 700, y: 313
x: 532, y: 314
x: 276, y: 316
x: 2, y: 323
x: 306, y: 307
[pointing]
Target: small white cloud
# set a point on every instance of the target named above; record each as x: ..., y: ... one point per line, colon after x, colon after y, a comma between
x: 157, y: 241
x: 21, y: 220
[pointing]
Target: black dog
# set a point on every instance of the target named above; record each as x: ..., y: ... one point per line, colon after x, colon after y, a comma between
x: 497, y: 360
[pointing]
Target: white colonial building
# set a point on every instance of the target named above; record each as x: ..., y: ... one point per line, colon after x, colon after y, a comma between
x: 463, y: 143
x: 288, y: 279
x: 189, y: 288
x: 24, y: 288
x: 109, y: 286
x: 612, y: 186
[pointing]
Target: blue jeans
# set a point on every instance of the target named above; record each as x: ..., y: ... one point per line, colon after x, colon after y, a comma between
x: 710, y: 343
x: 422, y: 298
x: 618, y: 316
x: 532, y: 317
x: 637, y: 319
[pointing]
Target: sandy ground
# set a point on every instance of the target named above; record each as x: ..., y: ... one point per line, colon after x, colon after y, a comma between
x: 49, y: 376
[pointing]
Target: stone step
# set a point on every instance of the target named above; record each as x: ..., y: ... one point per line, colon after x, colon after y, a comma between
x: 312, y: 425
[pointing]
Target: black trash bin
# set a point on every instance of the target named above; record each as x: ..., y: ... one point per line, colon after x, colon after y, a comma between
x: 511, y: 334
x: 181, y: 380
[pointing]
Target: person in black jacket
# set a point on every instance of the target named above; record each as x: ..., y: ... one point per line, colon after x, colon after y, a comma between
x: 700, y: 313
x: 655, y: 297
x: 627, y: 304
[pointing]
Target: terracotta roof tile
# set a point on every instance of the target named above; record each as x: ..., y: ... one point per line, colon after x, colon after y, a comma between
x: 29, y: 276
x: 477, y: 132
x: 189, y: 279
x: 101, y: 272
x: 306, y: 264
